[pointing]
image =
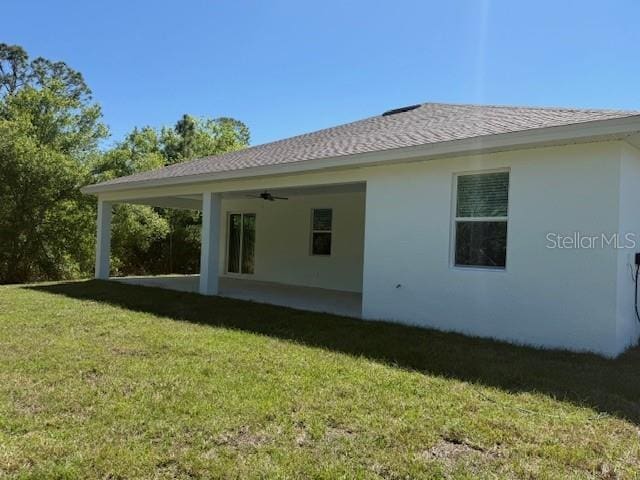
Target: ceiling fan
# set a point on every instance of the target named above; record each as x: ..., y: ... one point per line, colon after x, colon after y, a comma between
x: 267, y: 196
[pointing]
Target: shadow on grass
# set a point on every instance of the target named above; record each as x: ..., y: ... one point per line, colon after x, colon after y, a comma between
x: 609, y: 386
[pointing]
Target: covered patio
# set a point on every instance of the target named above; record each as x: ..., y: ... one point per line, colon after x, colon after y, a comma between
x: 295, y: 246
x: 323, y: 300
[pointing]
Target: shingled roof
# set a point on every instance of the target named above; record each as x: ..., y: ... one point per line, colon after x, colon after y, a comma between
x: 429, y: 123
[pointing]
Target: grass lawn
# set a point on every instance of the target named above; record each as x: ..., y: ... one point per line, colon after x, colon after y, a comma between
x: 103, y: 380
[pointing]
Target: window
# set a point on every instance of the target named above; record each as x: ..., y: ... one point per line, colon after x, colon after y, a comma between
x: 480, y: 227
x: 321, y: 219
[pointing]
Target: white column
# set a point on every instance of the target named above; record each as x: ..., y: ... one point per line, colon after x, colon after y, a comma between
x: 103, y: 240
x: 209, y: 246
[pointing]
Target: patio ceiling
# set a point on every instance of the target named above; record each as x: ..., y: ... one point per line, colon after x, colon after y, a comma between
x: 194, y: 202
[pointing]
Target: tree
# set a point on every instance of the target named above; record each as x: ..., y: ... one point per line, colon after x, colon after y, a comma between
x: 49, y: 128
x: 14, y: 68
x: 158, y: 240
x: 193, y: 137
x: 135, y: 228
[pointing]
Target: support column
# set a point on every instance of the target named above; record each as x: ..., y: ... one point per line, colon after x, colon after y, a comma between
x: 210, y: 241
x: 103, y: 240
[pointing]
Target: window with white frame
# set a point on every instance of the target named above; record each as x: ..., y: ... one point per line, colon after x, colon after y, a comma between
x: 321, y: 231
x: 480, y: 225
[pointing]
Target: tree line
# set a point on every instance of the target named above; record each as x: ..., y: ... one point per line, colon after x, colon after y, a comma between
x: 51, y: 131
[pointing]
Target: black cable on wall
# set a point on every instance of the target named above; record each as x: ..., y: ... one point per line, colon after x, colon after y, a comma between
x: 636, y: 300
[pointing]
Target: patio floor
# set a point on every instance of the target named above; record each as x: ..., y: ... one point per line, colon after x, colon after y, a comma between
x: 304, y: 298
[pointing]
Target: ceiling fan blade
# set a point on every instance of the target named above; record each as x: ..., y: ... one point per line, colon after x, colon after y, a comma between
x: 266, y: 196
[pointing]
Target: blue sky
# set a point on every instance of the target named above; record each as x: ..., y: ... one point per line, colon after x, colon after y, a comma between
x: 288, y: 67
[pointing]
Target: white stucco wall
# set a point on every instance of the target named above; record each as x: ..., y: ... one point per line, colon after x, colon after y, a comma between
x: 579, y: 299
x: 548, y: 297
x: 283, y: 230
x: 628, y: 327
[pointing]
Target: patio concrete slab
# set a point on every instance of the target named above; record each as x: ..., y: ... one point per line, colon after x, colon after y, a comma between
x: 304, y: 298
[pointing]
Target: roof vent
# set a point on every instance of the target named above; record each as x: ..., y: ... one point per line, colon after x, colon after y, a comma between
x: 400, y: 110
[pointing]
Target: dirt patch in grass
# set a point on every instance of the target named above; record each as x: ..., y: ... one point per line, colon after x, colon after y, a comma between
x: 92, y: 376
x: 28, y: 406
x: 451, y: 450
x: 242, y: 437
x: 607, y: 472
x: 302, y: 436
x: 338, y: 432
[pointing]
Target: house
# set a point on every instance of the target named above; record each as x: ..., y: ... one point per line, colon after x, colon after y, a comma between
x: 513, y: 223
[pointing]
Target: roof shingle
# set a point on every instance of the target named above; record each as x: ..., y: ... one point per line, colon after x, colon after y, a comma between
x: 428, y: 124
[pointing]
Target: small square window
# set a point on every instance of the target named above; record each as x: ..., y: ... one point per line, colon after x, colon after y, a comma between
x: 321, y: 231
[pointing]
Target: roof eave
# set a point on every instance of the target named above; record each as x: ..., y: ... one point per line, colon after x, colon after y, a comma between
x: 579, y: 132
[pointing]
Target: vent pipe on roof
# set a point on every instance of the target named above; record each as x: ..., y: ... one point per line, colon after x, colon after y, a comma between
x: 400, y: 110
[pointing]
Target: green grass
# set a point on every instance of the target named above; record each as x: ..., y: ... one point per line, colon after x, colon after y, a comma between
x: 102, y: 380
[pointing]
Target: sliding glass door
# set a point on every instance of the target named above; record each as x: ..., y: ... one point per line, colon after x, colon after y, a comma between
x: 241, y: 243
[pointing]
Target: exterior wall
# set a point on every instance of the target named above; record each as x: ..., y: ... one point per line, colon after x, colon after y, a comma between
x: 579, y: 299
x: 545, y: 297
x: 283, y: 240
x: 628, y: 327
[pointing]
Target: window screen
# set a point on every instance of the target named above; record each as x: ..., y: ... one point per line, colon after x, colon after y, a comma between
x: 481, y: 219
